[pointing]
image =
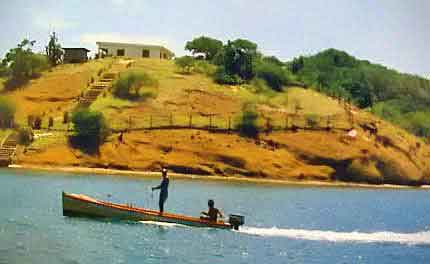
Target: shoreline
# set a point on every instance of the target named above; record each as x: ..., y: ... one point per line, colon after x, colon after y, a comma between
x: 274, y: 182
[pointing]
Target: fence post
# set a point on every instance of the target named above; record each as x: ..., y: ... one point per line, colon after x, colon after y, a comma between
x: 190, y: 123
x: 210, y: 122
x: 267, y: 125
x: 129, y: 123
x: 286, y: 122
x: 171, y: 119
x: 150, y: 121
x: 328, y: 123
x: 229, y: 123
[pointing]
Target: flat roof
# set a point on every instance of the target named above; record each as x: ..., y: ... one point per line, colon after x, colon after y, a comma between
x: 139, y: 45
x: 87, y: 50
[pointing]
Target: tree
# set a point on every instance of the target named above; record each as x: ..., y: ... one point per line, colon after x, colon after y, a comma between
x: 23, y: 63
x: 239, y: 58
x: 245, y: 45
x: 91, y: 130
x: 54, y: 51
x: 209, y: 47
x: 185, y: 63
x: 297, y: 64
x: 274, y: 75
x: 18, y: 60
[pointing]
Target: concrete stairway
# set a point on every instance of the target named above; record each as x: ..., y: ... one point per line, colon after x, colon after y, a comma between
x: 97, y: 88
x: 104, y: 83
x: 7, y: 149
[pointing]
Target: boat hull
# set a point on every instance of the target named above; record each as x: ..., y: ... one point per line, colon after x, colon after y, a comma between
x: 84, y: 206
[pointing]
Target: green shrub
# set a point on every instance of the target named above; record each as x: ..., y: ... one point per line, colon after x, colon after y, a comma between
x: 25, y: 136
x: 7, y: 112
x: 274, y: 75
x: 91, y: 130
x: 260, y: 86
x: 247, y: 123
x: 185, y: 64
x: 222, y: 77
x: 130, y: 84
x: 204, y: 67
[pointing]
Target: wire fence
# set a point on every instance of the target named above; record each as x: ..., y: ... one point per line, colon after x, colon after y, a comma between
x: 215, y: 122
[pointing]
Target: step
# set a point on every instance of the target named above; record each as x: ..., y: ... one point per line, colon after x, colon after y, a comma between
x: 99, y: 88
x: 106, y: 80
x: 92, y: 94
x: 100, y: 84
x: 5, y: 148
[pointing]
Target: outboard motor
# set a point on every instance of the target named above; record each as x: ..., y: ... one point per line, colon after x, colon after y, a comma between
x: 236, y: 221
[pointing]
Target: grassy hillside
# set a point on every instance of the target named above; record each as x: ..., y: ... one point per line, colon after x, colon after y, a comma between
x: 403, y: 99
x: 56, y: 91
x: 393, y: 156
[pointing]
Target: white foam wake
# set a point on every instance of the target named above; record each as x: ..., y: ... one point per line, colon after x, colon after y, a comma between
x: 419, y: 238
x: 160, y: 223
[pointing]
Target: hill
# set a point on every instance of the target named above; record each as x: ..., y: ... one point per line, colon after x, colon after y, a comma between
x: 187, y: 124
x: 402, y: 99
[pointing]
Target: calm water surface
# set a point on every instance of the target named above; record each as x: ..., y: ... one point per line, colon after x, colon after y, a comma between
x: 283, y: 224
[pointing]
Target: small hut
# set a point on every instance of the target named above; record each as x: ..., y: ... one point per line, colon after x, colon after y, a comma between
x: 75, y: 55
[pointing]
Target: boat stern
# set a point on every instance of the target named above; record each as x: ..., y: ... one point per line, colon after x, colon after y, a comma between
x: 236, y: 221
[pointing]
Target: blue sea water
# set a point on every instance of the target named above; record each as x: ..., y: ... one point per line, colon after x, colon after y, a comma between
x: 283, y: 224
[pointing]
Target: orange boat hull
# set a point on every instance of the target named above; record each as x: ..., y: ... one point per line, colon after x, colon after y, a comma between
x: 82, y: 205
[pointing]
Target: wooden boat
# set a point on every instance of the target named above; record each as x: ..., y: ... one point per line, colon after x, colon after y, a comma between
x: 82, y: 205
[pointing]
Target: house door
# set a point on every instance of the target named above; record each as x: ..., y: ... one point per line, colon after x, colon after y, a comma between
x: 145, y: 53
x: 120, y: 52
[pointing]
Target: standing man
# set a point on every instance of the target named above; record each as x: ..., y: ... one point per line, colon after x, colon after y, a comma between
x: 164, y: 193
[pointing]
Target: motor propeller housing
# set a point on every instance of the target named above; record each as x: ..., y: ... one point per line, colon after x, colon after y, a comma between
x: 236, y: 221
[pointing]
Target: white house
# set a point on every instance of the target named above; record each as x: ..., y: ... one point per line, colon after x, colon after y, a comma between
x: 133, y: 50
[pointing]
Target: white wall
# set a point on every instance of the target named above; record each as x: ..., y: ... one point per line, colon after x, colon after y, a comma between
x: 132, y: 51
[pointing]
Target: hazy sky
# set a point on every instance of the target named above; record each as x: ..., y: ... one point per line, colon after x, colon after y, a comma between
x: 395, y: 33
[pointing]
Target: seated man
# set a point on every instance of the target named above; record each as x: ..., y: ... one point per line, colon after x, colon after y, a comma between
x: 212, y: 214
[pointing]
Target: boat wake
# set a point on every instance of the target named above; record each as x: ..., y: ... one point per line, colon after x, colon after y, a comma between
x: 160, y: 223
x: 419, y: 238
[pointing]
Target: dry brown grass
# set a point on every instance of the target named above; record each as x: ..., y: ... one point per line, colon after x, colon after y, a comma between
x: 396, y: 157
x: 55, y: 91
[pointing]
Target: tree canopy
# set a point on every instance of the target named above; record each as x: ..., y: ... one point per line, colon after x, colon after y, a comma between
x: 53, y: 50
x: 209, y: 47
x: 91, y: 130
x: 23, y: 63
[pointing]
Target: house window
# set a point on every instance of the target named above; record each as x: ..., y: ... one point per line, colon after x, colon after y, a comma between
x: 145, y: 53
x: 120, y: 52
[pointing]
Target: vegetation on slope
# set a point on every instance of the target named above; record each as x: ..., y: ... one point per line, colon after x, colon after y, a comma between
x: 261, y: 99
x: 403, y: 99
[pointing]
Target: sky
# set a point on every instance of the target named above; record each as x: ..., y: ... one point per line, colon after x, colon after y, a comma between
x: 395, y: 33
